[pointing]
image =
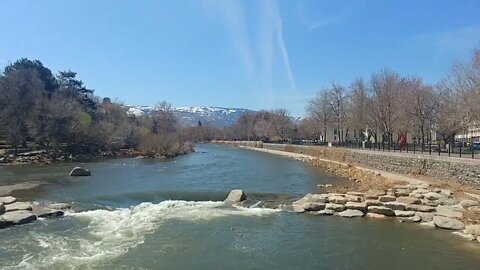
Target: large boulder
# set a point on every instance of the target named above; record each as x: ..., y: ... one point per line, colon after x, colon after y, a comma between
x: 236, y: 196
x: 448, y: 223
x: 7, y: 200
x: 349, y: 213
x: 16, y: 218
x: 79, y: 171
x: 381, y: 210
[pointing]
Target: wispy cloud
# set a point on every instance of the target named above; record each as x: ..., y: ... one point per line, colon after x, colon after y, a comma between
x: 232, y: 13
x: 283, y: 49
x: 264, y: 43
x: 318, y: 24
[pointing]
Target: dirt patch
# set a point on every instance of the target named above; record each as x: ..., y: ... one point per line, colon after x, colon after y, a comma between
x: 359, y: 180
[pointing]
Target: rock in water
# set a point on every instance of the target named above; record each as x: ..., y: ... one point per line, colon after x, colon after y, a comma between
x: 79, y: 171
x: 349, y: 213
x: 448, y: 223
x: 2, y: 209
x: 7, y: 200
x: 236, y: 196
x: 17, y: 218
x: 18, y: 206
x: 313, y: 206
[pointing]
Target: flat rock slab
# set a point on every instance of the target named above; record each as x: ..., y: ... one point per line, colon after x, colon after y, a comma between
x: 373, y: 203
x: 387, y: 198
x: 448, y: 223
x: 375, y: 215
x: 374, y: 194
x: 449, y: 211
x: 381, y: 210
x: 8, y: 199
x: 16, y: 206
x: 356, y: 206
x: 395, y: 205
x: 419, y: 208
x: 409, y: 200
x: 400, y: 213
x: 326, y: 212
x: 43, y: 211
x: 335, y: 207
x: 410, y: 219
x: 337, y: 199
x: 17, y: 218
x: 349, y: 213
x: 313, y: 206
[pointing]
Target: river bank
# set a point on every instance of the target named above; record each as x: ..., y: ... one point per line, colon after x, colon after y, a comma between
x: 382, y: 194
x: 44, y: 157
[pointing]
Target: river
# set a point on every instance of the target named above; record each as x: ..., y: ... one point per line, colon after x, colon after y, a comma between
x: 168, y: 214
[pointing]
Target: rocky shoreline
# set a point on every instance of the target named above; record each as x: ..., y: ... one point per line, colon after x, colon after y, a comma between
x: 47, y: 158
x: 412, y: 203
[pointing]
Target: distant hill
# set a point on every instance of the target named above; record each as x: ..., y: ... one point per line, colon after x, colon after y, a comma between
x: 189, y: 116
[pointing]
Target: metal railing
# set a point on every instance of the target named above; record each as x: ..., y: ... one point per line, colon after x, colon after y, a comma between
x: 448, y: 150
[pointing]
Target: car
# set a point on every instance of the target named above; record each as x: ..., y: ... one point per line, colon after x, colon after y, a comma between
x: 476, y: 145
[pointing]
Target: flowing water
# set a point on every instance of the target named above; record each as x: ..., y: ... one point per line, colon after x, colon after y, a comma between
x: 145, y: 214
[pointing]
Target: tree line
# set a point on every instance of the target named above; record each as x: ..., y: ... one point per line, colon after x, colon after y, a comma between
x: 380, y: 109
x: 388, y: 105
x: 40, y: 110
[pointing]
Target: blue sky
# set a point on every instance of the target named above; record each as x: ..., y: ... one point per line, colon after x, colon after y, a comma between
x: 251, y: 54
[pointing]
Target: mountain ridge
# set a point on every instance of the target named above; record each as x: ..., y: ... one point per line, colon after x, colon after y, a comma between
x: 192, y: 115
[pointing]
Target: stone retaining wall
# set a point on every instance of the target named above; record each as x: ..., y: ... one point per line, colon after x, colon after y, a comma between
x: 442, y: 168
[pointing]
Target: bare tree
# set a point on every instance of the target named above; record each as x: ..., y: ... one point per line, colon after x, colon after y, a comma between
x: 319, y: 109
x: 386, y: 95
x: 421, y: 106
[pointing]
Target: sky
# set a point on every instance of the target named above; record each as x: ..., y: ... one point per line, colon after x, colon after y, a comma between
x: 261, y: 54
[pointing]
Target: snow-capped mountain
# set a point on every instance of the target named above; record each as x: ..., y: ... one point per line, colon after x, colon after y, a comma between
x: 214, y: 116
